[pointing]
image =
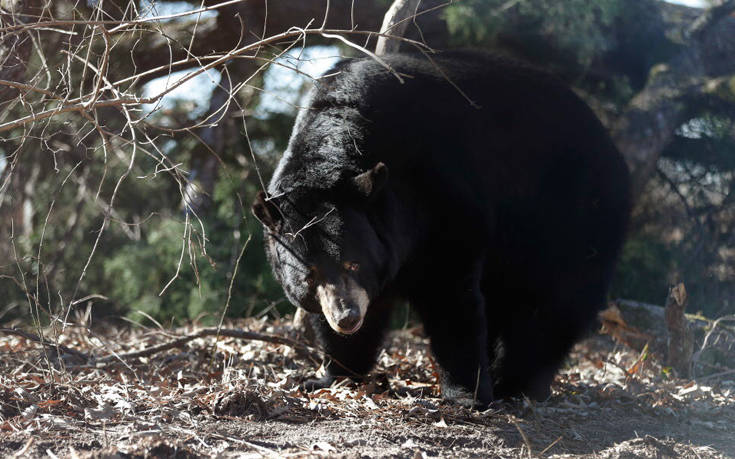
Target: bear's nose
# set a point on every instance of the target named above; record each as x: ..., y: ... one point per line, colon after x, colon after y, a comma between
x: 348, y: 318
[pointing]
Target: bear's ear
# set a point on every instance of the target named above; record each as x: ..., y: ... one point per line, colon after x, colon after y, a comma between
x: 370, y: 182
x: 265, y: 211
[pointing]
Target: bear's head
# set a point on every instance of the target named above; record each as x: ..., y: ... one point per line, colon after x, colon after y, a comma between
x: 324, y: 247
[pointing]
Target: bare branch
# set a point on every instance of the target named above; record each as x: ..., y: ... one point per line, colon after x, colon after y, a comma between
x: 394, y: 23
x: 45, y: 342
x: 176, y: 343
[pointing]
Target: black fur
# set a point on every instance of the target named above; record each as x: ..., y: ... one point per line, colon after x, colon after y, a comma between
x: 500, y: 220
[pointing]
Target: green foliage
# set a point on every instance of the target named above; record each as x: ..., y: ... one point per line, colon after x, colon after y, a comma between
x: 606, y: 48
x: 572, y: 27
x: 138, y: 271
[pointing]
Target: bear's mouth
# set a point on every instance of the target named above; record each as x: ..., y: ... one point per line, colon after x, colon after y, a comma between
x: 343, y: 304
x: 345, y: 331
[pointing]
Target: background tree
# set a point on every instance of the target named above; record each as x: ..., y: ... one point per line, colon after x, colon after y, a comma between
x: 112, y: 193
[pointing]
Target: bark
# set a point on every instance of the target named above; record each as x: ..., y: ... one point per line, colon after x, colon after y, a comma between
x: 649, y: 122
x: 680, y: 344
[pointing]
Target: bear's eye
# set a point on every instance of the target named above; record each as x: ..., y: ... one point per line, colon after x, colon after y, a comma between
x: 351, y: 266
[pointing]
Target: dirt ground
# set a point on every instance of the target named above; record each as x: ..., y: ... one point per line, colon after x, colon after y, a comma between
x: 241, y: 399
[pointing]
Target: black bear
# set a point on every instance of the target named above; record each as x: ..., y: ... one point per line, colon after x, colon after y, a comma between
x: 481, y: 190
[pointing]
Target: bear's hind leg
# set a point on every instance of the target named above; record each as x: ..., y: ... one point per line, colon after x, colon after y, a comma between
x: 531, y: 355
x: 453, y: 314
x: 536, y: 342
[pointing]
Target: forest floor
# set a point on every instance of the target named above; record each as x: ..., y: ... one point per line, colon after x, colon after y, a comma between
x: 242, y: 399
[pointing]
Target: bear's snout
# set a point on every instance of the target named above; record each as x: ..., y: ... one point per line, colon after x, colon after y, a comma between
x: 349, y: 318
x: 344, y: 305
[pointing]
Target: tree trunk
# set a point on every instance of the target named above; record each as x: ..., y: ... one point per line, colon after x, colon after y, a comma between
x: 395, y: 22
x: 675, y: 92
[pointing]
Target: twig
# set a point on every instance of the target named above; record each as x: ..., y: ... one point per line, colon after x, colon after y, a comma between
x: 27, y: 87
x: 126, y: 101
x: 231, y: 333
x: 550, y: 446
x: 525, y: 438
x: 178, y: 342
x: 705, y: 343
x: 417, y: 14
x: 229, y: 293
x: 184, y: 238
x: 89, y: 297
x: 120, y: 24
x: 477, y: 386
x: 45, y: 342
x: 717, y: 375
x: 103, y: 68
x: 449, y: 80
x: 365, y: 51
